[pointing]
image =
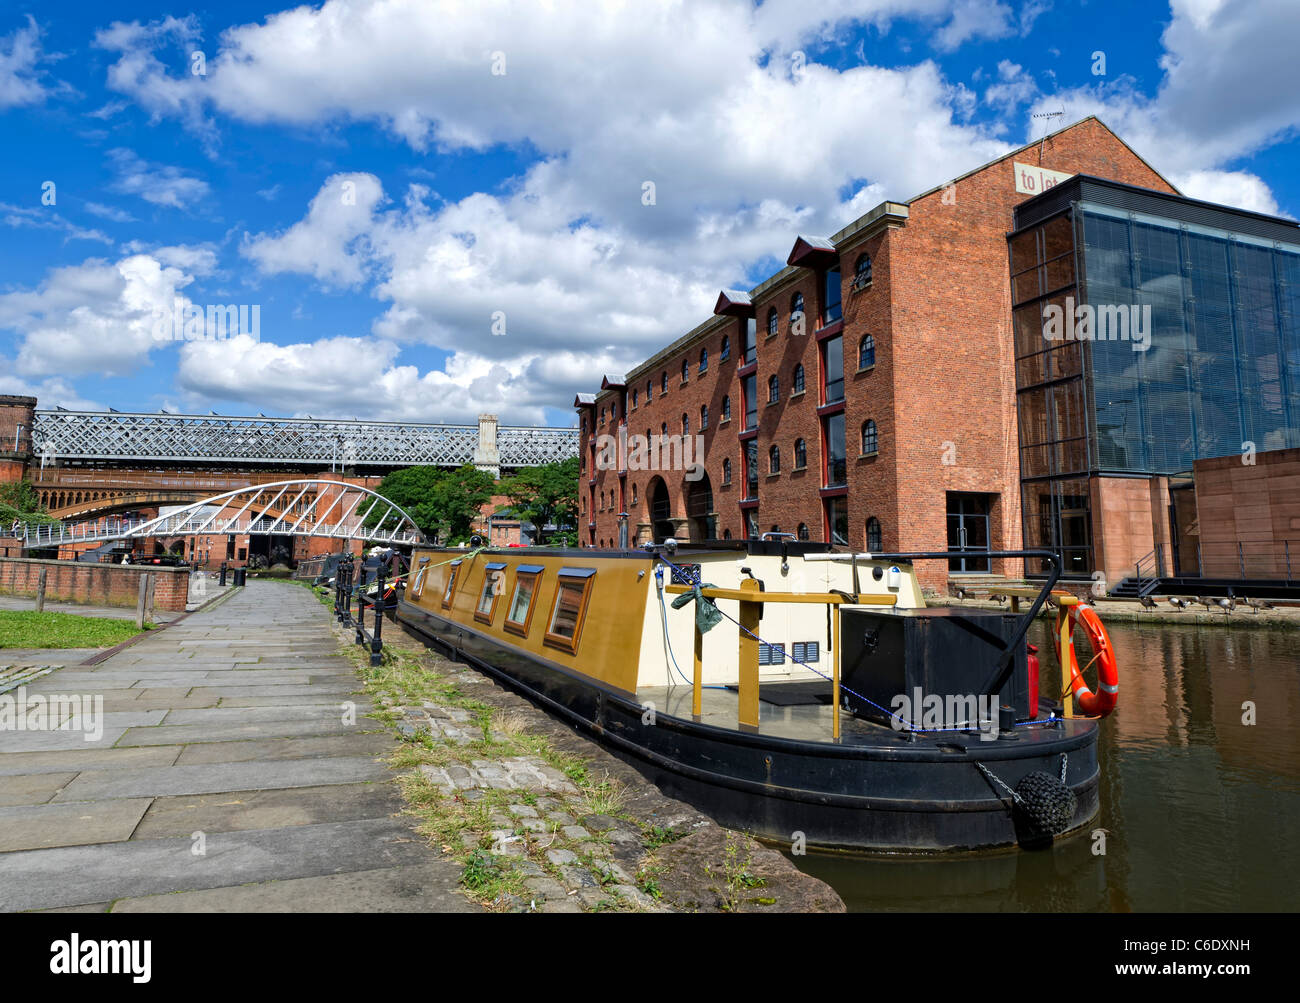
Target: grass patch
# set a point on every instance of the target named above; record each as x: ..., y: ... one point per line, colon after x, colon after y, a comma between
x: 29, y: 629
x: 462, y: 825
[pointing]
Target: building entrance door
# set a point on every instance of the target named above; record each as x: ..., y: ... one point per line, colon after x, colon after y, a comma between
x: 968, y: 531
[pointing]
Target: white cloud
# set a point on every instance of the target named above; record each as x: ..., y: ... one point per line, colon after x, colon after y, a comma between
x: 47, y: 218
x: 1014, y: 88
x: 20, y: 52
x: 161, y: 184
x: 699, y: 99
x: 1230, y: 89
x: 324, y: 243
x: 165, y: 90
x: 361, y: 377
x: 1231, y: 188
x: 52, y: 392
x: 96, y: 317
x: 109, y: 212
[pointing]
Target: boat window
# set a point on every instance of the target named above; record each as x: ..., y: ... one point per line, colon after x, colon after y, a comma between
x: 417, y: 586
x: 494, y: 583
x: 571, y: 595
x: 451, y: 584
x: 520, y: 613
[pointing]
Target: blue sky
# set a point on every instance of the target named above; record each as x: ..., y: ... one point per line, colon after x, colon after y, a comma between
x: 437, y: 209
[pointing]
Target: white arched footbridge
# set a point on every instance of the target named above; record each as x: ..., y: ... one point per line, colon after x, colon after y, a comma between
x: 310, y: 507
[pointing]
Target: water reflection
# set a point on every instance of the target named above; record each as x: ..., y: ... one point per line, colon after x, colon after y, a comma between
x: 1201, y: 810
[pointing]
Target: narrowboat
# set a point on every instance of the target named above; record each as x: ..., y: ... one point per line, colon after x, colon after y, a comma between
x: 809, y: 697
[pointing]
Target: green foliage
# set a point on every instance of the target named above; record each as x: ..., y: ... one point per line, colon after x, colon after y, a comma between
x: 545, y: 495
x: 19, y: 500
x: 443, y: 503
x: 479, y: 871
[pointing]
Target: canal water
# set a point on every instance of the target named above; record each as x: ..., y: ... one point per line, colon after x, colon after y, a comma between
x: 1200, y: 810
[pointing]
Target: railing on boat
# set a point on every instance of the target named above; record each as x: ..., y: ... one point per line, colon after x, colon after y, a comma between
x: 751, y: 600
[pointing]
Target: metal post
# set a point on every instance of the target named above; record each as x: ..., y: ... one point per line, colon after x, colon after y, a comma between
x: 835, y: 672
x: 376, y: 643
x: 1241, y: 560
x: 222, y: 582
x: 360, y: 589
x: 1287, y: 545
x: 40, y: 590
x: 747, y: 710
x: 697, y: 679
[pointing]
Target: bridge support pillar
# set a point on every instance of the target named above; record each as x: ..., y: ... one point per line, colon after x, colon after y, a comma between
x: 487, y: 457
x: 17, y: 415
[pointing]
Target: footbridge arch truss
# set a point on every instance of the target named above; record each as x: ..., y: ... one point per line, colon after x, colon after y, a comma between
x: 304, y: 507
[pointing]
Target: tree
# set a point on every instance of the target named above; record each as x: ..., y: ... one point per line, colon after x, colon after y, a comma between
x: 443, y: 503
x: 546, y: 495
x: 19, y: 500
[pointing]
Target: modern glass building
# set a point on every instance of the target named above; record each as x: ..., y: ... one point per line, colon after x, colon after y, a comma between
x: 1151, y: 331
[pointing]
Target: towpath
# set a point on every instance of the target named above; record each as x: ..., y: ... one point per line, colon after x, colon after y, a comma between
x: 237, y: 771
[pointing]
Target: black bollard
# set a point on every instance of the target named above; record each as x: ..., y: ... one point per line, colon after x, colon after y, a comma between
x: 376, y: 643
x: 222, y: 582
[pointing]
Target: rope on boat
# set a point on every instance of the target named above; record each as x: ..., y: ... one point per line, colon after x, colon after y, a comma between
x: 907, y: 725
x: 663, y: 617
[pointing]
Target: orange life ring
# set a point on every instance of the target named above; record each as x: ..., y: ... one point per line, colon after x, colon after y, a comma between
x: 1103, y: 702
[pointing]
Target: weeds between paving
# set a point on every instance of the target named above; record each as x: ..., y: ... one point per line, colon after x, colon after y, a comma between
x: 599, y: 845
x: 462, y: 823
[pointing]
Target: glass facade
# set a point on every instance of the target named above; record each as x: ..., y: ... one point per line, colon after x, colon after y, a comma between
x: 1223, y: 366
x: 1144, y: 343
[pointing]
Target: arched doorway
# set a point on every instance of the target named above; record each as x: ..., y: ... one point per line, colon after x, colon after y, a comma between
x: 699, y: 510
x: 661, y: 511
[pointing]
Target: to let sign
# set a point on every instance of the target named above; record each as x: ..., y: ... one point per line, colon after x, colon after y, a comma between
x: 1031, y: 180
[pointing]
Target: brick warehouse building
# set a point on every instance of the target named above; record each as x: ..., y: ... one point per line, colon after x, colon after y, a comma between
x: 867, y: 394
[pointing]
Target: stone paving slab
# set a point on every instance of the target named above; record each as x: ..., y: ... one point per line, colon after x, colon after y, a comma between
x: 333, y: 711
x: 366, y: 744
x: 407, y: 888
x: 268, y: 809
x: 34, y: 827
x: 43, y: 879
x: 298, y: 810
x: 526, y: 773
x: 50, y: 741
x: 283, y: 690
x: 303, y: 700
x: 46, y: 656
x: 236, y: 732
x: 156, y: 781
x: 93, y: 756
x: 32, y: 789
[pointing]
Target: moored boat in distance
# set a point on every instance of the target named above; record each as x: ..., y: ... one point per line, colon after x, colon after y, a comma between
x: 808, y: 697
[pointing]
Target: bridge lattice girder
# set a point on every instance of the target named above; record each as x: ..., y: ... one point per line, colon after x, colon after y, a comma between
x: 173, y: 438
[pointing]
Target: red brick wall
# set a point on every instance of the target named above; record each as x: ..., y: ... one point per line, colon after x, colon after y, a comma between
x: 953, y: 351
x: 1255, y: 504
x: 939, y: 309
x: 94, y: 584
x: 15, y: 442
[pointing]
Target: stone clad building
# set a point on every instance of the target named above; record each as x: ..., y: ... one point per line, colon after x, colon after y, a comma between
x: 869, y: 395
